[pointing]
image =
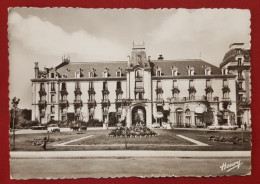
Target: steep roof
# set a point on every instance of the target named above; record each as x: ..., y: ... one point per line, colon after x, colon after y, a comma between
x: 198, y: 65
x: 70, y: 68
x: 231, y: 55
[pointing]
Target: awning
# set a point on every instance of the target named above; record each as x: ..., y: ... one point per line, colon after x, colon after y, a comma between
x: 159, y: 115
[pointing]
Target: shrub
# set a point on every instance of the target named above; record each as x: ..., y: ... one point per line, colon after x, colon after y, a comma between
x: 94, y: 123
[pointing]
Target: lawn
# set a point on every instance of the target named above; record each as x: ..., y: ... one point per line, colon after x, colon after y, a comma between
x: 168, y: 140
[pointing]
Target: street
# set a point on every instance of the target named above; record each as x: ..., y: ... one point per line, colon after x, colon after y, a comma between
x: 124, y: 166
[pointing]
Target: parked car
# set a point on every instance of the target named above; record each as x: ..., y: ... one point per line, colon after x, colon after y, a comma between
x: 156, y: 125
x: 214, y: 127
x: 229, y: 127
x: 53, y: 128
x: 164, y: 124
x: 39, y: 127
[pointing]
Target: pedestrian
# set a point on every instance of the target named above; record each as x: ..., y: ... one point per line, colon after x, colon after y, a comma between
x: 245, y: 125
x: 44, y: 143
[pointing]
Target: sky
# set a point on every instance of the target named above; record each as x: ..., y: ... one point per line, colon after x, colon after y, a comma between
x: 44, y: 35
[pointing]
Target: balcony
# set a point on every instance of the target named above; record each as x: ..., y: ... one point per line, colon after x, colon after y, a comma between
x: 244, y: 103
x: 226, y: 89
x: 42, y: 104
x: 192, y: 89
x: 77, y: 91
x: 42, y: 92
x: 119, y: 91
x: 209, y: 89
x: 77, y: 104
x: 226, y: 99
x: 175, y: 90
x: 105, y: 91
x: 91, y: 91
x: 159, y: 90
x: 187, y: 99
x: 105, y: 103
x: 64, y: 92
x: 92, y: 104
x: 159, y: 101
x: 63, y: 104
x: 118, y: 103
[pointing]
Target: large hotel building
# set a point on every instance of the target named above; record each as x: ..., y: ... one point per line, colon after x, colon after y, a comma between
x: 181, y: 92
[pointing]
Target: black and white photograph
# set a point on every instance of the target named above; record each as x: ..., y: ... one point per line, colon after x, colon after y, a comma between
x: 108, y: 93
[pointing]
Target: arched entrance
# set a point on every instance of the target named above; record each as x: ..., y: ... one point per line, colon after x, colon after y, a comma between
x: 179, y: 120
x: 138, y: 115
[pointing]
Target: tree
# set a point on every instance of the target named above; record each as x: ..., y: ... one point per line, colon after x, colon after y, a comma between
x: 15, y: 102
x: 112, y: 120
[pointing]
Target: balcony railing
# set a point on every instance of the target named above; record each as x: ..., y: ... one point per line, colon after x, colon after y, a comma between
x: 42, y: 104
x: 77, y: 91
x: 77, y: 104
x: 245, y: 102
x: 63, y: 92
x: 105, y: 91
x: 91, y: 91
x: 92, y: 103
x: 105, y: 103
x: 226, y: 99
x: 159, y: 101
x: 63, y: 103
x: 42, y: 92
x: 159, y: 90
x: 139, y: 89
x: 187, y: 99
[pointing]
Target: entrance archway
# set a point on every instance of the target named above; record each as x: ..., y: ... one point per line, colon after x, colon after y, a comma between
x: 138, y: 115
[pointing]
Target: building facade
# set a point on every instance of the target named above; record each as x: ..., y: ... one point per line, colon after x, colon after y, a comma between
x: 237, y: 62
x: 182, y: 93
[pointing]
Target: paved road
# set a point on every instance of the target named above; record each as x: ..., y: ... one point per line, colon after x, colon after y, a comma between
x: 120, y: 167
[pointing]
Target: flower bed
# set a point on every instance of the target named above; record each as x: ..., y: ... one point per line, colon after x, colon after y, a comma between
x: 132, y: 132
x: 228, y: 140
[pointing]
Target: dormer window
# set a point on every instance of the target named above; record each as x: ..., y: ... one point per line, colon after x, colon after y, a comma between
x: 52, y: 75
x: 105, y: 73
x: 92, y: 73
x: 208, y: 71
x: 78, y: 73
x: 191, y: 70
x: 158, y: 71
x: 224, y: 71
x: 174, y: 71
x: 119, y: 72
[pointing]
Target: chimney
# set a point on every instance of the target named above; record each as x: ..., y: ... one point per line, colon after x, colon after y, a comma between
x: 36, y: 70
x: 160, y: 57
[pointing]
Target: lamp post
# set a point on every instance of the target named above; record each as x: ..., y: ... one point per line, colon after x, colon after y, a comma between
x: 126, y: 103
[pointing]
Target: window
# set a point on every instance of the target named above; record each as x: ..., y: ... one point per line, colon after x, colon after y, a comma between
x: 138, y: 84
x: 138, y: 73
x: 159, y: 96
x: 52, y: 75
x: 105, y: 73
x: 191, y: 71
x: 63, y: 118
x: 42, y: 98
x: 104, y: 85
x: 91, y: 85
x: 209, y: 96
x: 208, y: 83
x: 63, y: 86
x: 119, y: 72
x: 52, y: 117
x: 159, y: 84
x: 225, y: 95
x: 119, y: 97
x: 118, y: 85
x: 78, y: 97
x: 208, y: 71
x: 158, y: 73
x: 91, y: 97
x: 174, y: 84
x: 239, y: 61
x: 192, y: 96
x: 42, y: 87
x: 77, y: 85
x: 52, y: 86
x: 174, y: 71
x: 64, y: 97
x: 239, y: 74
x: 53, y: 98
x: 105, y: 97
x: 225, y: 83
x: 240, y: 97
x: 52, y: 109
x: 191, y: 83
x: 240, y: 85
